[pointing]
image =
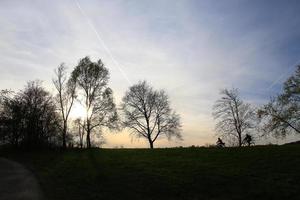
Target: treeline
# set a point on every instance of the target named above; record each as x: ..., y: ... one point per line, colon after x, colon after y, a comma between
x: 239, y: 123
x: 34, y: 118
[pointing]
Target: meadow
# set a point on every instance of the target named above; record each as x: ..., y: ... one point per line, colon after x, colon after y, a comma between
x: 261, y: 172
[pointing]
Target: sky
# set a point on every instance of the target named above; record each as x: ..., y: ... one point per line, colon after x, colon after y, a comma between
x: 192, y: 49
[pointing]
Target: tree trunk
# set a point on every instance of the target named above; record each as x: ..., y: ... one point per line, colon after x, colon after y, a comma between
x: 81, y: 141
x: 151, y: 144
x: 64, y: 145
x: 88, y: 138
x: 240, y: 139
x: 88, y: 131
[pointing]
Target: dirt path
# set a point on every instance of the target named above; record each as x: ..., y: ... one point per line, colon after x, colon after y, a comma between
x: 17, y: 183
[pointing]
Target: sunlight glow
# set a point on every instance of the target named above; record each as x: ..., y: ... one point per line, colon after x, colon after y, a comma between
x: 78, y: 111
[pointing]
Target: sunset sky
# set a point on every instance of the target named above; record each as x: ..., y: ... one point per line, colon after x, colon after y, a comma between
x: 192, y: 49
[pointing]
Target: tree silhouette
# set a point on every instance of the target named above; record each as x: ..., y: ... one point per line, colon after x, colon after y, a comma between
x: 91, y: 79
x: 29, y: 117
x: 148, y: 114
x: 281, y: 115
x: 234, y: 117
x: 65, y: 97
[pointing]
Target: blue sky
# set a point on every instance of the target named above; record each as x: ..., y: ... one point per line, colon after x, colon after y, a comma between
x: 192, y: 49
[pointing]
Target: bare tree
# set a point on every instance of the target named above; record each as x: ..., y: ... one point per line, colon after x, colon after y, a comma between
x: 66, y: 93
x: 277, y: 119
x: 91, y: 79
x: 148, y: 114
x: 281, y: 115
x: 234, y: 117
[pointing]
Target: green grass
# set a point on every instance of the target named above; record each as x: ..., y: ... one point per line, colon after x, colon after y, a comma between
x: 264, y: 172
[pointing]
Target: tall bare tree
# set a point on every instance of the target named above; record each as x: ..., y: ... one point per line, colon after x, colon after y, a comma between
x: 148, y: 114
x: 281, y: 115
x: 234, y: 117
x: 92, y: 79
x: 66, y: 94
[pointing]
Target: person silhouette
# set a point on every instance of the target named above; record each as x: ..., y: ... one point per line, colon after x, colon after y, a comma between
x: 220, y: 143
x: 248, y: 140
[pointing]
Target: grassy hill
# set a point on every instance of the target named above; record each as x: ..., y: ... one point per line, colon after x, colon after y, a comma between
x: 263, y: 172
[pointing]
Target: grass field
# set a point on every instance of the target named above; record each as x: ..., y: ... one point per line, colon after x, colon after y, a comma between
x: 264, y: 172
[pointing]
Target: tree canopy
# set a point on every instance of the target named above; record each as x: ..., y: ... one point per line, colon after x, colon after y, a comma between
x: 281, y: 115
x: 148, y: 114
x: 29, y: 117
x: 91, y: 79
x: 234, y: 117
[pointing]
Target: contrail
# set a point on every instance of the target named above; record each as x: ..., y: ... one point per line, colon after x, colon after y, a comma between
x: 282, y: 75
x: 102, y: 43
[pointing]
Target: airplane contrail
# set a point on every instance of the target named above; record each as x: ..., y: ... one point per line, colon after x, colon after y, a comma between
x: 102, y: 43
x: 282, y: 75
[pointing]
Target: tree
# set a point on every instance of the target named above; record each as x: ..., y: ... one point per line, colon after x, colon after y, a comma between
x: 10, y: 118
x: 29, y: 117
x: 66, y: 93
x: 277, y: 119
x: 234, y: 117
x: 5, y: 97
x: 148, y: 114
x: 281, y: 115
x: 91, y: 79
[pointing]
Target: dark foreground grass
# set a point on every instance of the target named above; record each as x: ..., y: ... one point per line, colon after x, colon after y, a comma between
x: 266, y: 172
